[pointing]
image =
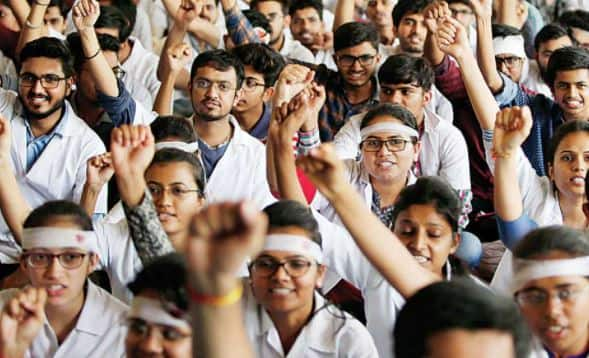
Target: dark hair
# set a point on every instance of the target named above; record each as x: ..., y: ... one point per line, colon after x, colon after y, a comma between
x: 284, y: 5
x: 387, y: 109
x: 106, y: 42
x: 257, y: 19
x: 220, y: 60
x: 61, y: 5
x: 464, y: 2
x: 552, y: 238
x: 44, y: 215
x: 263, y: 60
x: 353, y: 34
x: 406, y: 69
x: 433, y: 191
x: 576, y: 18
x: 549, y: 32
x: 172, y: 126
x: 112, y: 17
x: 561, y: 132
x: 566, y: 59
x: 500, y: 30
x: 406, y: 7
x: 292, y: 213
x: 166, y: 275
x: 129, y: 10
x: 173, y: 155
x: 49, y: 47
x: 459, y: 304
x: 303, y: 4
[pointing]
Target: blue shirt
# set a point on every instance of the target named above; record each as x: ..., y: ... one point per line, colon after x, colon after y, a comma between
x: 260, y: 129
x: 36, y: 146
x: 211, y: 156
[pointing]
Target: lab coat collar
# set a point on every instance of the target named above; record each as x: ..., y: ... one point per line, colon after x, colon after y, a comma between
x: 71, y: 122
x: 239, y: 134
x: 430, y: 121
x: 91, y: 318
x: 318, y: 334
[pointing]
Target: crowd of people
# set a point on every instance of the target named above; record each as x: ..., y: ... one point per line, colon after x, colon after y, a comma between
x: 305, y: 178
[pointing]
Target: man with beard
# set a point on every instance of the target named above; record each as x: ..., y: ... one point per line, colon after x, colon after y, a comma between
x: 409, y: 26
x: 353, y: 88
x: 549, y: 39
x: 50, y: 144
x: 276, y: 11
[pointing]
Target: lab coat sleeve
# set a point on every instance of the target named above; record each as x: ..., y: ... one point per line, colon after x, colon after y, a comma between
x: 356, y: 342
x: 454, y: 164
x: 341, y: 253
x: 347, y: 139
x: 442, y: 106
x: 262, y: 196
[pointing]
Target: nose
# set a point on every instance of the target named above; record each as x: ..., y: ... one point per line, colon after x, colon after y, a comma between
x: 396, y: 97
x: 54, y: 269
x: 37, y: 87
x: 280, y: 274
x: 573, y: 91
x: 579, y: 165
x: 419, y: 240
x: 553, y: 307
x: 164, y: 198
x: 212, y: 91
x: 356, y: 65
x: 151, y: 343
x: 503, y: 68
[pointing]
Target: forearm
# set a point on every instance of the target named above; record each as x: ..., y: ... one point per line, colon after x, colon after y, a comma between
x: 149, y: 238
x: 481, y: 98
x: 102, y: 74
x: 431, y: 50
x: 163, y: 101
x: 507, y: 14
x: 507, y: 195
x: 344, y: 12
x: 33, y: 27
x: 286, y: 177
x: 131, y: 188
x: 175, y: 36
x: 89, y: 199
x: 205, y: 31
x: 486, y: 54
x: 182, y: 80
x: 382, y: 248
x: 21, y: 9
x: 14, y: 207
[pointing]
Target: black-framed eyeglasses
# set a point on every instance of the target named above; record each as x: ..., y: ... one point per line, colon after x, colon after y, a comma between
x: 222, y: 86
x: 266, y: 267
x: 510, y: 61
x: 392, y: 144
x: 48, y: 81
x: 177, y: 191
x: 349, y: 60
x: 67, y: 260
x: 250, y: 84
x: 142, y: 328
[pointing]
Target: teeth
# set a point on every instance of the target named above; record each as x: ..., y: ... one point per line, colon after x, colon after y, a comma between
x: 55, y: 287
x: 580, y: 181
x: 281, y: 291
x: 385, y: 164
x: 420, y: 259
x: 555, y: 329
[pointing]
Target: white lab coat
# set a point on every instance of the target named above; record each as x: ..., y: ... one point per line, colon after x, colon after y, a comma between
x: 141, y: 74
x: 60, y: 171
x: 443, y: 149
x: 295, y: 50
x: 330, y: 333
x: 241, y: 173
x: 534, y: 80
x: 100, y: 330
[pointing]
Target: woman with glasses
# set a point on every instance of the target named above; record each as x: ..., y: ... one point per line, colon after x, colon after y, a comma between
x: 60, y: 250
x: 551, y: 287
x: 285, y: 315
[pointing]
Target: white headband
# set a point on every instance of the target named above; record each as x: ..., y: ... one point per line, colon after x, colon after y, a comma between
x: 185, y: 147
x: 53, y: 237
x: 389, y: 127
x: 151, y: 310
x: 528, y: 270
x: 510, y: 45
x: 294, y: 243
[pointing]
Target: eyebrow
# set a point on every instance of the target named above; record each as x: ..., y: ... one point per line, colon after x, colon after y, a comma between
x: 287, y: 257
x: 160, y: 184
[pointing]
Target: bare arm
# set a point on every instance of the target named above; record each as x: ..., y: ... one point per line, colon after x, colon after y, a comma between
x: 344, y: 13
x: 172, y: 63
x: 99, y: 170
x: 33, y: 27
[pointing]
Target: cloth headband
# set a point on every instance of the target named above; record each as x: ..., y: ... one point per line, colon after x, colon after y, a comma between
x: 390, y: 127
x: 185, y: 147
x: 528, y: 270
x: 152, y: 311
x: 294, y: 243
x: 511, y: 45
x: 53, y: 237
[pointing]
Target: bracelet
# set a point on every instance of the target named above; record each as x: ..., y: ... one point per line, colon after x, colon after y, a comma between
x: 31, y: 26
x: 91, y: 57
x: 504, y: 155
x: 227, y: 299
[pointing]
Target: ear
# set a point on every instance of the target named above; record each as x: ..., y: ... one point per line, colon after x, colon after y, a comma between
x: 321, y: 270
x: 70, y: 84
x: 455, y: 243
x: 427, y: 97
x: 93, y: 263
x: 268, y: 93
x: 550, y: 171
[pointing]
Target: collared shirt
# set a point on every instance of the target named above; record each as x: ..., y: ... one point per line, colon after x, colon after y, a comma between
x: 385, y: 214
x: 337, y: 109
x: 100, y: 329
x: 260, y: 129
x: 141, y: 74
x: 36, y: 145
x: 295, y: 50
x: 330, y: 332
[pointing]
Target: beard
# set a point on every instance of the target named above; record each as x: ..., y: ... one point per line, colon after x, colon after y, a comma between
x: 208, y: 117
x: 42, y: 115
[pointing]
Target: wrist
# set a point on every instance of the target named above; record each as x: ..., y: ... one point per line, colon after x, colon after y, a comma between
x: 215, y: 285
x: 93, y: 188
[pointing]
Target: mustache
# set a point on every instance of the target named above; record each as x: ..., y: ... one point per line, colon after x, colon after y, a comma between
x: 37, y: 95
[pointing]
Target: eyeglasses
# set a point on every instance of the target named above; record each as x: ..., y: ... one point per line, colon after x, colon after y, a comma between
x: 392, y: 145
x: 250, y: 84
x: 142, y: 328
x: 67, y: 260
x: 47, y: 81
x: 119, y: 72
x: 537, y: 297
x: 266, y: 267
x: 223, y: 86
x: 349, y: 60
x: 510, y: 61
x: 176, y: 191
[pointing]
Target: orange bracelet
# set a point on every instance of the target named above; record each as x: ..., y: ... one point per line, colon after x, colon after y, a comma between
x: 227, y: 299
